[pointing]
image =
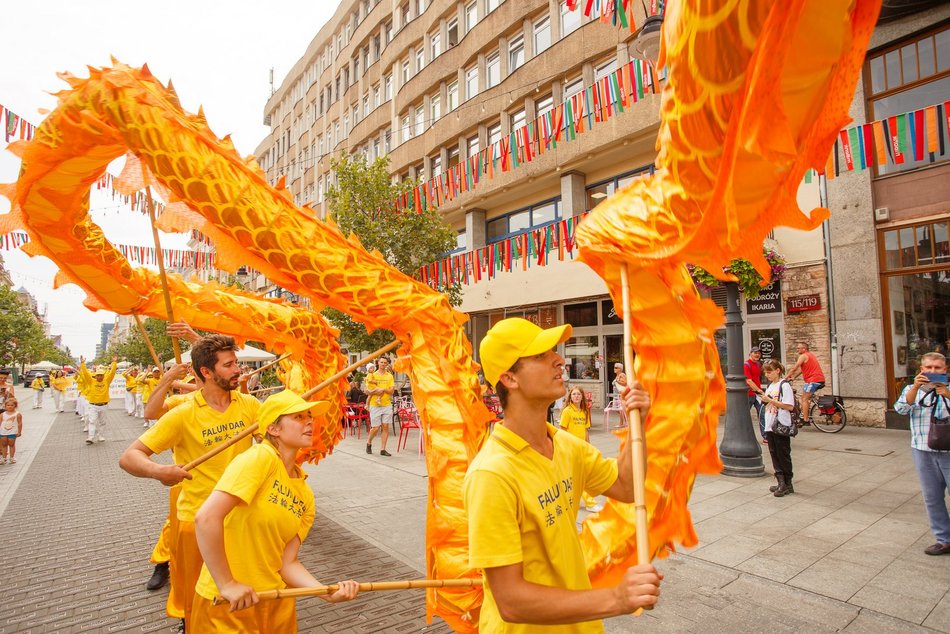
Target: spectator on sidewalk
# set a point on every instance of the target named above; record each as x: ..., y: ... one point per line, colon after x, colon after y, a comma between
x: 920, y: 400
x: 620, y: 380
x: 210, y: 418
x: 380, y: 385
x: 809, y: 369
x: 752, y: 368
x: 11, y: 428
x: 778, y: 401
x: 252, y: 525
x: 39, y: 388
x: 523, y: 535
x: 6, y: 387
x: 575, y: 419
x: 59, y: 384
x: 97, y: 393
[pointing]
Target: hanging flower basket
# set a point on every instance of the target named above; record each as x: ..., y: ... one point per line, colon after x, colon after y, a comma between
x: 750, y: 282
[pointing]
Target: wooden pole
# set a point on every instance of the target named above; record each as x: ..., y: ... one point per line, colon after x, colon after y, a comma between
x: 161, y: 270
x: 267, y: 389
x: 322, y: 386
x: 271, y: 364
x: 636, y: 430
x: 148, y: 342
x: 412, y: 584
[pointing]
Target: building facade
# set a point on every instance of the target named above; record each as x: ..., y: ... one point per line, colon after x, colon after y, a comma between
x: 433, y: 83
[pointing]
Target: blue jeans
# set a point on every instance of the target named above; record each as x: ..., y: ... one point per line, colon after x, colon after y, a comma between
x: 757, y: 406
x: 933, y: 469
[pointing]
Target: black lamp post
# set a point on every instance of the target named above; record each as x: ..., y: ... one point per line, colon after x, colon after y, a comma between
x: 740, y: 451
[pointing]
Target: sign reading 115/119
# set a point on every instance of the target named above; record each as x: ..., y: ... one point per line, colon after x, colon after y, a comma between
x: 802, y: 303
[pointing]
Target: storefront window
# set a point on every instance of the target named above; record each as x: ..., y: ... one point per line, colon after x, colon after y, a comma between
x: 920, y: 321
x: 580, y: 315
x: 583, y: 357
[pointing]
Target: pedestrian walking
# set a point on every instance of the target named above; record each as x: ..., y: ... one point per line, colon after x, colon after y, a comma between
x: 97, y: 393
x: 251, y: 526
x: 575, y: 419
x: 11, y: 428
x: 752, y: 368
x: 6, y: 387
x: 380, y: 385
x: 522, y: 491
x: 59, y: 383
x: 924, y: 401
x: 778, y: 401
x: 39, y: 387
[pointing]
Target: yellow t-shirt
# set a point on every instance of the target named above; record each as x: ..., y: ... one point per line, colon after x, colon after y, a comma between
x: 192, y: 431
x: 96, y: 391
x: 148, y: 386
x: 175, y: 400
x: 130, y: 381
x: 274, y: 508
x: 522, y: 507
x: 60, y: 383
x: 576, y: 421
x: 380, y: 381
x: 38, y: 384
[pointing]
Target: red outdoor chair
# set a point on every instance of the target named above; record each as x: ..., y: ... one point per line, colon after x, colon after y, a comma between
x: 408, y: 419
x: 355, y: 414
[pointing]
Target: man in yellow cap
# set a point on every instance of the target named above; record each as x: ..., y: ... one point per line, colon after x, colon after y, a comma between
x: 97, y: 394
x: 217, y: 412
x: 522, y: 494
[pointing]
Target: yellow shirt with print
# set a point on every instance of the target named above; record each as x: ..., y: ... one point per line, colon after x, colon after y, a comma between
x: 193, y: 430
x: 130, y: 381
x: 576, y: 421
x: 522, y: 508
x: 380, y: 381
x: 60, y: 383
x: 276, y: 507
x: 97, y: 391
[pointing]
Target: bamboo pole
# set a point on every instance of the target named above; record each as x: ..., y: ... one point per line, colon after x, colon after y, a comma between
x: 271, y: 364
x: 148, y: 342
x: 411, y: 584
x: 267, y: 389
x: 636, y: 430
x: 161, y: 270
x: 322, y: 386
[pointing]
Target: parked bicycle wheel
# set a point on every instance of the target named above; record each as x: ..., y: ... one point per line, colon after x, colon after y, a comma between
x: 829, y: 418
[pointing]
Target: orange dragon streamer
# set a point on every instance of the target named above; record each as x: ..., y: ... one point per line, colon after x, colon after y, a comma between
x: 210, y: 188
x: 756, y: 92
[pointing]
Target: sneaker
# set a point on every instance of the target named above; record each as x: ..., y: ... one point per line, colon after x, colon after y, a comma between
x: 100, y: 439
x: 385, y: 453
x: 369, y: 448
x: 159, y: 577
x: 12, y: 460
x: 145, y: 424
x: 85, y: 429
x: 3, y: 461
x: 88, y: 441
x: 938, y: 549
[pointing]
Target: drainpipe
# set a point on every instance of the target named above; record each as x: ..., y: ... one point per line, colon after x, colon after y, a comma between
x: 832, y: 323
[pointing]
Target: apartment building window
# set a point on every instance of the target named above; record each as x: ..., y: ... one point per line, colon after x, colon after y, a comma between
x: 570, y: 20
x: 605, y: 69
x: 453, y: 33
x: 544, y: 105
x: 494, y: 136
x: 493, y: 70
x: 366, y: 57
x: 515, y: 53
x: 405, y: 71
x: 365, y: 106
x: 524, y: 219
x: 518, y: 119
x: 461, y: 242
x: 420, y: 58
x: 491, y: 5
x: 376, y: 148
x: 376, y: 97
x: 388, y: 29
x: 406, y: 129
x: 319, y: 145
x: 573, y: 87
x: 471, y: 82
x: 336, y: 133
x: 405, y: 15
x: 387, y: 140
x: 388, y: 87
x: 598, y: 192
x: 907, y: 76
x: 346, y: 124
x: 453, y: 157
x: 435, y: 45
x: 435, y: 107
x: 436, y: 163
x: 452, y: 96
x: 471, y: 145
x: 471, y: 16
x: 420, y: 120
x: 420, y: 6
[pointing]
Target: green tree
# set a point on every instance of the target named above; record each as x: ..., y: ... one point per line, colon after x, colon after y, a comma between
x: 362, y: 203
x: 134, y: 350
x: 22, y: 340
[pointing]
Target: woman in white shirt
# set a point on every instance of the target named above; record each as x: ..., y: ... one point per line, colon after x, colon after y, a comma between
x: 779, y: 401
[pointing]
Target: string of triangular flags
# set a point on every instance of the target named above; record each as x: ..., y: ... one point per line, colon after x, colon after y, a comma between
x: 535, y: 247
x: 578, y: 113
x: 607, y: 10
x: 917, y: 135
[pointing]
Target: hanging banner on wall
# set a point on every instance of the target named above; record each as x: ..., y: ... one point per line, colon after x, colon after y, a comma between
x: 768, y: 301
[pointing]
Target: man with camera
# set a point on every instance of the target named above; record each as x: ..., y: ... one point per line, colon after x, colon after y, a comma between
x: 925, y: 400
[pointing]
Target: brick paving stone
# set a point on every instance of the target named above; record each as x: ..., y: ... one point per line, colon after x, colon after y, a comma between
x: 78, y: 532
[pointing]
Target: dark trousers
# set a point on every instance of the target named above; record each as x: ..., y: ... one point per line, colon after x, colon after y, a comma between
x: 780, y: 449
x: 757, y: 406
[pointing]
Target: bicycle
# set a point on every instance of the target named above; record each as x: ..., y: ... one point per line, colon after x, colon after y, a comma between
x: 826, y: 412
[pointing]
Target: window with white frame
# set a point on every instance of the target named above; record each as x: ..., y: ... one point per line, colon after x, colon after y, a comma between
x: 453, y: 32
x: 471, y: 145
x: 491, y: 5
x: 605, y: 69
x: 406, y: 129
x: 518, y: 119
x: 494, y: 136
x: 387, y: 140
x: 435, y: 107
x: 388, y: 87
x: 436, y: 164
x: 405, y: 71
x: 492, y: 70
x: 544, y: 105
x: 388, y: 28
x: 420, y: 6
x: 377, y: 96
x: 404, y: 13
x: 515, y: 53
x: 420, y: 120
x: 471, y: 16
x: 471, y: 82
x: 346, y: 124
x: 452, y: 96
x: 435, y: 45
x: 420, y: 58
x: 452, y: 157
x: 542, y: 35
x: 570, y: 20
x: 573, y: 87
x: 365, y: 106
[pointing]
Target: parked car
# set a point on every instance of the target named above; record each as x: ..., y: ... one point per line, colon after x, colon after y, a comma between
x: 29, y: 375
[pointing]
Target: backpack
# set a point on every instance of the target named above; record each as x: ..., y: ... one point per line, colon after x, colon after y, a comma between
x: 796, y: 414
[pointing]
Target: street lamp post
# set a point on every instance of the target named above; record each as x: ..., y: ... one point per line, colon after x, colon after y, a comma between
x: 740, y: 451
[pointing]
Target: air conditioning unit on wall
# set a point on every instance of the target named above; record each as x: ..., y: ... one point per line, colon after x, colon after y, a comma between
x: 881, y: 214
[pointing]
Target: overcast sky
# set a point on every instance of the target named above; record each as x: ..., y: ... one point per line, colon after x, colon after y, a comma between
x: 217, y: 53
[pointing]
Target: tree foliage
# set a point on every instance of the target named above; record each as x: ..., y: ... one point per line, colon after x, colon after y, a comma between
x: 362, y: 203
x: 134, y: 349
x: 22, y: 340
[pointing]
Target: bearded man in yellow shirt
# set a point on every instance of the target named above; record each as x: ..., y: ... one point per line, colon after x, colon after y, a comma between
x: 522, y: 493
x: 211, y: 417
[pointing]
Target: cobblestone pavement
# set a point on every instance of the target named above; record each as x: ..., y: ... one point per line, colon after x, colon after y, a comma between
x: 77, y: 533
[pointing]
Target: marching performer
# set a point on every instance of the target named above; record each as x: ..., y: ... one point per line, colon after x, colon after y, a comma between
x: 97, y: 396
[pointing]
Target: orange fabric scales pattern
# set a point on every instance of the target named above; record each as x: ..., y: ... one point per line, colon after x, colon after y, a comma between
x: 756, y: 92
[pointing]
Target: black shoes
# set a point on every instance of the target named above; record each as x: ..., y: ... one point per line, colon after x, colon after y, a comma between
x: 369, y: 448
x: 938, y: 549
x: 385, y: 453
x: 159, y: 577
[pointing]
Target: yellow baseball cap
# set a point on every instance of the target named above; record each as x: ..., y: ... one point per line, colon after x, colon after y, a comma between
x: 286, y: 402
x: 513, y: 338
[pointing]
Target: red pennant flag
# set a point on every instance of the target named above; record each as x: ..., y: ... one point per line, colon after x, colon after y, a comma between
x: 846, y: 147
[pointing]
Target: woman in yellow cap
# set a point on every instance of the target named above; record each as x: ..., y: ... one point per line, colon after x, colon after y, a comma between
x: 250, y: 528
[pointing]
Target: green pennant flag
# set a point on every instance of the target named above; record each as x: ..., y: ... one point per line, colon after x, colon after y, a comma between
x: 902, y: 133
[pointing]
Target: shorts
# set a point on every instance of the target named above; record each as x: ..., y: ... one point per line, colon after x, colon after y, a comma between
x: 380, y: 415
x: 13, y: 436
x: 811, y: 388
